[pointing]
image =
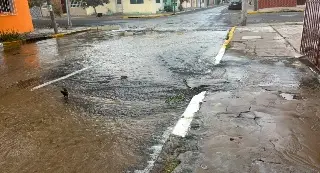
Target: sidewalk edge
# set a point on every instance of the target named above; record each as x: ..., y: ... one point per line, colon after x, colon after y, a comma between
x: 225, y: 46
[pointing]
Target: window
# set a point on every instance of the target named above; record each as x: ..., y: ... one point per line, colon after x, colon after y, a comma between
x: 157, y: 1
x: 136, y: 1
x: 118, y: 1
x: 75, y: 3
x: 7, y: 6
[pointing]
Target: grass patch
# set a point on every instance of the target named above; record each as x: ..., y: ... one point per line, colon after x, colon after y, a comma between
x: 228, y: 46
x: 176, y: 99
x: 227, y: 37
x: 171, y: 165
x: 10, y: 35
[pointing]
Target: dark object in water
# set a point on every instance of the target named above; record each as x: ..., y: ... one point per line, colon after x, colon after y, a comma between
x: 186, y: 83
x: 99, y: 15
x: 124, y: 77
x: 305, y: 60
x: 65, y: 93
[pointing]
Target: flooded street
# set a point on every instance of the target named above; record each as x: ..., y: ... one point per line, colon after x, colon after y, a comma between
x: 128, y: 88
x: 125, y: 92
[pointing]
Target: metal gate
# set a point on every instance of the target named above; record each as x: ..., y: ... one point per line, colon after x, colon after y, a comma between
x: 310, y: 43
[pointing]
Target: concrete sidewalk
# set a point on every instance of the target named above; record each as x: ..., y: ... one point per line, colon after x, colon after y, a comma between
x: 299, y: 8
x: 269, y: 40
x: 265, y: 118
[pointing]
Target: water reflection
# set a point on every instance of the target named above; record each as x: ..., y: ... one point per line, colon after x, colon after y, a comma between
x: 20, y: 67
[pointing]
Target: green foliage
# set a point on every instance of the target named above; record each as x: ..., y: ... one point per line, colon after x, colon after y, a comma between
x: 228, y: 46
x: 227, y: 37
x: 10, y: 35
x: 176, y: 99
x: 168, y: 8
x: 171, y: 164
x: 93, y: 3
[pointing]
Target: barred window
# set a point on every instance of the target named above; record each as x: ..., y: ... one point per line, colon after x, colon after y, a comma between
x: 75, y: 3
x: 7, y: 7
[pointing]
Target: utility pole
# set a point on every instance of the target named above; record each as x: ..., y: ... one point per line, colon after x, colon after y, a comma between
x: 255, y: 2
x: 68, y: 13
x: 244, y: 13
x: 53, y: 20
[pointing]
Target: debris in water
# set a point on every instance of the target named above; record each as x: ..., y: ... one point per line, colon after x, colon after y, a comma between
x: 65, y: 93
x: 124, y: 77
x: 288, y: 96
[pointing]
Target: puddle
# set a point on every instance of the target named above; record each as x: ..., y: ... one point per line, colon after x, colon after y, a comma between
x: 287, y: 96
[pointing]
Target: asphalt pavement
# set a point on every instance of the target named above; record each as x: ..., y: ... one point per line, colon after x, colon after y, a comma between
x: 126, y: 91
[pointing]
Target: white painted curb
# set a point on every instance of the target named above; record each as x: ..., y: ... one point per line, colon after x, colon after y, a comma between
x: 182, y: 127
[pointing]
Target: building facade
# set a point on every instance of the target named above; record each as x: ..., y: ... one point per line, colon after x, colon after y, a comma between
x: 276, y: 3
x: 15, y: 16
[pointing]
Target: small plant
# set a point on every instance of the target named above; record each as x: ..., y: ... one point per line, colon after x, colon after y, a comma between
x: 228, y: 46
x: 9, y: 35
x: 171, y: 165
x: 227, y: 37
x: 180, y: 7
x: 168, y: 8
x: 176, y: 99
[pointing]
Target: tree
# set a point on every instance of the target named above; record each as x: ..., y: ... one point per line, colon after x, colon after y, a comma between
x: 93, y: 3
x: 37, y: 3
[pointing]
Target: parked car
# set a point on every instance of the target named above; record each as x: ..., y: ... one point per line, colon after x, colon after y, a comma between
x: 235, y: 5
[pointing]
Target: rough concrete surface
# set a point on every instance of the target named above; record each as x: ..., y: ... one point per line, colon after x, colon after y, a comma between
x: 268, y: 40
x: 254, y: 127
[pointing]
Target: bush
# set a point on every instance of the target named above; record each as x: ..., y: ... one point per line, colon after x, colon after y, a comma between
x: 180, y: 7
x: 168, y: 8
x: 9, y: 35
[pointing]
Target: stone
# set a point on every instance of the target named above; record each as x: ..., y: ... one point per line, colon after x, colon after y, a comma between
x: 251, y: 37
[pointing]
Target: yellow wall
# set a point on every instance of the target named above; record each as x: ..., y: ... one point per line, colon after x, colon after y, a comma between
x: 149, y: 6
x: 20, y: 21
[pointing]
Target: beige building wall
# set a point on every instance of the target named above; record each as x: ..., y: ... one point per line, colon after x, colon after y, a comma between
x: 104, y: 9
x: 159, y: 6
x: 149, y: 6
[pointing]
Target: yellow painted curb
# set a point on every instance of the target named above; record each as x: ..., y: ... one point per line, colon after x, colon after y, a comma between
x: 253, y: 12
x: 11, y: 44
x: 58, y: 35
x: 230, y: 35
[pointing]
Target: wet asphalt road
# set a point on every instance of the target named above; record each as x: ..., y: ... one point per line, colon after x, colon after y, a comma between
x: 108, y: 124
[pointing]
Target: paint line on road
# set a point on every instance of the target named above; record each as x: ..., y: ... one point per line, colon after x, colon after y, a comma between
x: 61, y: 78
x: 220, y: 55
x: 222, y: 51
x: 182, y: 127
x: 156, y: 150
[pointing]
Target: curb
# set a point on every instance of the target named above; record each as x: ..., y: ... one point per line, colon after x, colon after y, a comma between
x: 147, y: 16
x: 230, y: 37
x: 281, y: 11
x: 12, y: 44
x: 168, y: 14
x: 225, y: 46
